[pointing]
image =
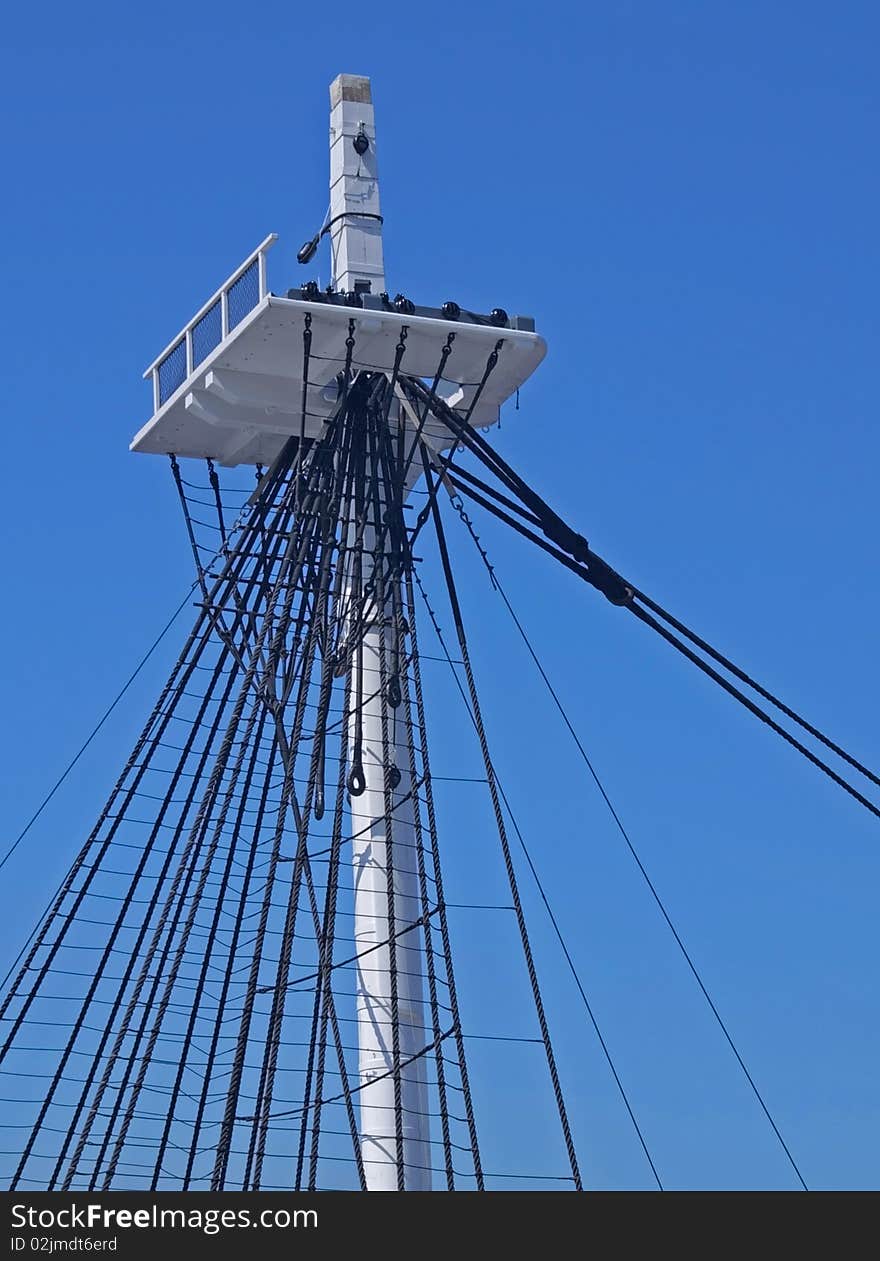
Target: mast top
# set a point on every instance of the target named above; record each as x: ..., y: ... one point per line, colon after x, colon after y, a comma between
x: 355, y: 221
x: 350, y: 87
x: 253, y: 368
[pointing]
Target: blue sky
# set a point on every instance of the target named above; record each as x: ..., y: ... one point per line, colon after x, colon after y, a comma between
x: 685, y: 196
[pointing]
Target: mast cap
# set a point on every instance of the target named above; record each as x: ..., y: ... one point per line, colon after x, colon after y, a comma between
x: 350, y: 87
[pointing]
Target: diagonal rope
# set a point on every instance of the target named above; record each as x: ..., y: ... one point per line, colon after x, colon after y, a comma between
x: 652, y: 888
x: 573, y: 550
x: 502, y: 835
x: 88, y: 740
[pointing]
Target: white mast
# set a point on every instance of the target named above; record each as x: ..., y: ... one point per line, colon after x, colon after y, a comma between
x: 356, y: 237
x: 355, y: 218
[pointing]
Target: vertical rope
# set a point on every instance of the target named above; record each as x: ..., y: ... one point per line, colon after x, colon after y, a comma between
x: 502, y: 836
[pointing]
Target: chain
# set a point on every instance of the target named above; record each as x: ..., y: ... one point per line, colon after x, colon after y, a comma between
x: 458, y: 504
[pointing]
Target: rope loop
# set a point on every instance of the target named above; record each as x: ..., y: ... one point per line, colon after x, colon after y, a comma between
x: 357, y: 781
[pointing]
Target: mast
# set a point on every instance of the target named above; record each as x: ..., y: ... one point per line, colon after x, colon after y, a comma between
x: 390, y: 992
x: 222, y: 977
x: 355, y: 221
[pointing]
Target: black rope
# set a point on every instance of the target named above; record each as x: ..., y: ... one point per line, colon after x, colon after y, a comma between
x: 218, y: 502
x: 214, y: 945
x: 87, y: 742
x: 84, y: 889
x: 441, y: 908
x: 502, y: 834
x: 307, y: 350
x: 71, y: 914
x: 757, y: 687
x: 326, y: 967
x: 134, y: 1000
x: 135, y: 1003
x: 572, y: 550
x: 232, y: 948
x: 389, y: 771
x: 394, y: 493
x: 256, y: 721
x: 660, y: 904
x: 728, y: 687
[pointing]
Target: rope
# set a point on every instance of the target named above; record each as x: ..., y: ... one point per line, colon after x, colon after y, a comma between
x: 660, y: 904
x: 502, y: 835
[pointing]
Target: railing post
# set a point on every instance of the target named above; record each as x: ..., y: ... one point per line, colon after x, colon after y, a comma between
x: 156, y: 401
x: 224, y: 314
x: 262, y: 270
x: 189, y: 351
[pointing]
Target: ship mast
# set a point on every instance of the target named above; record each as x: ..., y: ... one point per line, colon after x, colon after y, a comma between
x: 390, y: 994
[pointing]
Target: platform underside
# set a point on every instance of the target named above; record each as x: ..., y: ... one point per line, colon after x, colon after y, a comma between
x: 246, y: 397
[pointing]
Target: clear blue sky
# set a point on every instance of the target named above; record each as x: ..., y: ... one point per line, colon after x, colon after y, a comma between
x: 685, y: 196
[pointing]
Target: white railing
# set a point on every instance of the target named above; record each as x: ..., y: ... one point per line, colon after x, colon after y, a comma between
x: 217, y: 316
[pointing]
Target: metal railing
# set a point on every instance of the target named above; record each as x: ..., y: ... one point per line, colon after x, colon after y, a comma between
x: 212, y: 323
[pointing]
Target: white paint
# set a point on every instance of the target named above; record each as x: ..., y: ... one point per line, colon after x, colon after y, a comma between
x: 356, y: 242
x: 260, y: 363
x: 358, y: 256
x: 374, y: 1008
